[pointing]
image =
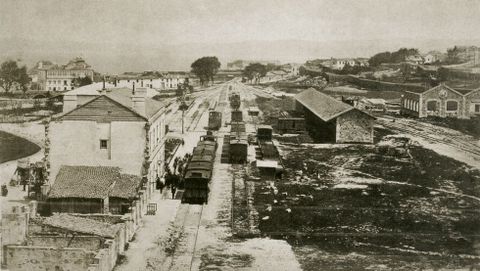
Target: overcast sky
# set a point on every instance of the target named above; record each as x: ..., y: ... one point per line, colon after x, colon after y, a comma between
x: 147, y: 23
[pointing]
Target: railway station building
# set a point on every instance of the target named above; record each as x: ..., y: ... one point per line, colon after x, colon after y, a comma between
x: 331, y: 121
x: 442, y: 101
x: 122, y: 128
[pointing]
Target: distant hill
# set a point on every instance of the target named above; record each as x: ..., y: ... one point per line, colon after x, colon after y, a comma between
x: 115, y: 58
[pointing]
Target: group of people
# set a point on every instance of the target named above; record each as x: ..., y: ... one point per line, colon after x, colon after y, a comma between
x: 171, y: 182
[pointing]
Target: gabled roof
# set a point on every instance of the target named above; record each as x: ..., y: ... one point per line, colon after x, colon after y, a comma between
x: 72, y: 223
x: 120, y: 95
x: 93, y: 182
x: 322, y: 105
x: 459, y: 91
x: 103, y: 108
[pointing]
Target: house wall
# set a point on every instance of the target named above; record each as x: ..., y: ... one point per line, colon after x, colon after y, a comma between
x: 156, y: 150
x: 76, y: 205
x: 77, y: 143
x: 436, y: 95
x: 89, y: 243
x: 354, y: 127
x: 471, y: 100
x: 47, y: 258
x: 14, y: 228
x: 156, y: 83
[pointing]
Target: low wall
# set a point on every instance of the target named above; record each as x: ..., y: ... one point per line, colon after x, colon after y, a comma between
x: 90, y: 243
x: 47, y: 258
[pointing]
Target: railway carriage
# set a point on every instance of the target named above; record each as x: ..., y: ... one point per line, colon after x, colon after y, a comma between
x: 214, y: 120
x: 199, y: 171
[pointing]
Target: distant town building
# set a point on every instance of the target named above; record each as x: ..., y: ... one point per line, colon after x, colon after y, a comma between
x: 163, y: 82
x: 340, y: 63
x: 433, y: 57
x: 414, y: 59
x: 50, y: 77
x: 442, y: 101
x: 117, y: 127
x: 330, y: 120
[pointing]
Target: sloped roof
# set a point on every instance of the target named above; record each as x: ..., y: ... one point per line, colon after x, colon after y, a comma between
x: 121, y: 95
x: 126, y: 187
x: 93, y: 182
x: 103, y: 108
x: 81, y: 225
x: 322, y: 105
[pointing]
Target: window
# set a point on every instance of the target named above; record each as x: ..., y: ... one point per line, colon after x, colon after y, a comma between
x: 477, y: 108
x: 103, y: 144
x: 432, y: 106
x: 452, y: 105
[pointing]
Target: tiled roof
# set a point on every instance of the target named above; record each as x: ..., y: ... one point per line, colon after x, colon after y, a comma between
x: 322, y: 105
x: 81, y: 225
x: 126, y: 187
x: 122, y: 96
x: 92, y: 182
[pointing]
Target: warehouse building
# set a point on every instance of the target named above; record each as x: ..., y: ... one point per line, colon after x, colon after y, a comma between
x: 331, y: 121
x: 442, y: 101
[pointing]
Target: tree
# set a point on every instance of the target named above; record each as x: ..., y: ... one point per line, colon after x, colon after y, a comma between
x: 394, y: 57
x: 11, y: 75
x: 254, y: 71
x: 22, y: 79
x: 205, y: 68
x: 82, y: 81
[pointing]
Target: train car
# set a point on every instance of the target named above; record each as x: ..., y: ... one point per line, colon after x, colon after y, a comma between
x: 238, y: 143
x: 199, y: 171
x: 238, y: 147
x: 238, y: 126
x: 237, y: 115
x: 291, y: 125
x: 264, y: 132
x: 214, y: 120
x: 235, y: 101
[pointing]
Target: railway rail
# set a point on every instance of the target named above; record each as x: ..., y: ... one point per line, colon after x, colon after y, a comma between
x: 432, y: 135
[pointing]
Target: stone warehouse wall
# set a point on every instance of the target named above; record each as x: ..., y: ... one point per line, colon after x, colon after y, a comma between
x: 354, y: 127
x: 47, y: 258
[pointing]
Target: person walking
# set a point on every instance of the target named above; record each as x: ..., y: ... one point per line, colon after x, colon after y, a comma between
x: 174, y: 189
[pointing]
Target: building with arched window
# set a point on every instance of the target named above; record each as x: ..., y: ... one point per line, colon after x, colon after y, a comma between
x: 442, y: 101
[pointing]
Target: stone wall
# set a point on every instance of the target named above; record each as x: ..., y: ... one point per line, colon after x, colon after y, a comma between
x: 47, y: 258
x: 354, y: 127
x: 89, y: 243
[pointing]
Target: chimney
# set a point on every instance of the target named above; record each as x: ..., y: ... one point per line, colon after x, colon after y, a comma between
x: 138, y: 100
x: 69, y: 102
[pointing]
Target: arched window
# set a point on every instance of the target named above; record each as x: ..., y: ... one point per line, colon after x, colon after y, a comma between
x: 452, y: 106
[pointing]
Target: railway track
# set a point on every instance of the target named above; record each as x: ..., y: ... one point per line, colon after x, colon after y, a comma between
x: 434, y: 135
x: 183, y: 256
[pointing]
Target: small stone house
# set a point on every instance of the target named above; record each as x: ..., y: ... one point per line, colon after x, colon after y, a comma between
x: 93, y: 189
x: 330, y: 120
x: 442, y: 101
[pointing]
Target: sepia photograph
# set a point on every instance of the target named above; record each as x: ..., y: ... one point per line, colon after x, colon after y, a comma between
x: 252, y: 135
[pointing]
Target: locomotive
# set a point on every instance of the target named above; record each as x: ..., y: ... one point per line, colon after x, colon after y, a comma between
x: 199, y: 171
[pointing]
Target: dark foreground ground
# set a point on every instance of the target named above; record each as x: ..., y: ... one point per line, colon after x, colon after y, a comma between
x: 396, y: 205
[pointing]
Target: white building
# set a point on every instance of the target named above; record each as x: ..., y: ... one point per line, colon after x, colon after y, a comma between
x: 117, y: 127
x: 52, y: 77
x: 159, y: 83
